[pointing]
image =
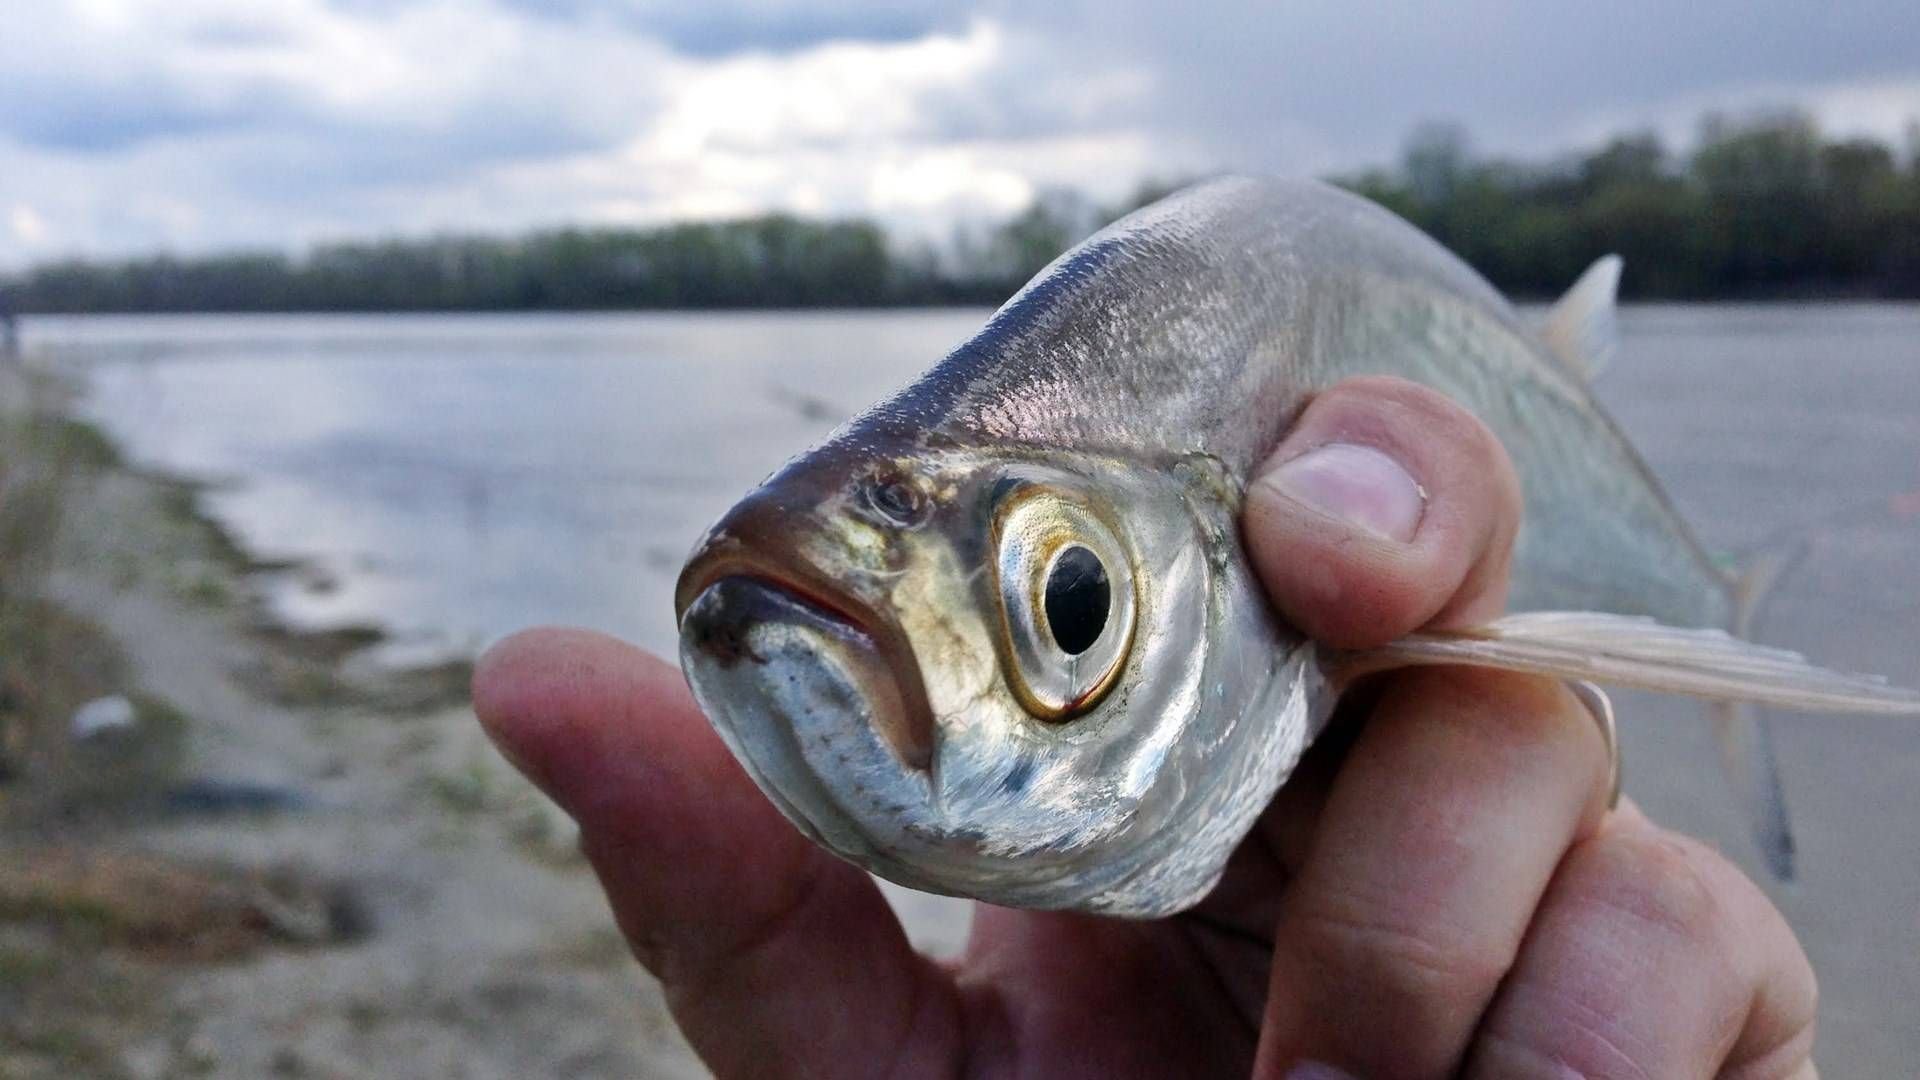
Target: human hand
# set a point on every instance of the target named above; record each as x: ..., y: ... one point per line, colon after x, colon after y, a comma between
x: 1440, y: 887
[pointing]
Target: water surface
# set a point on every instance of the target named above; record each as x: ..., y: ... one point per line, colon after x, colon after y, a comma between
x: 456, y: 478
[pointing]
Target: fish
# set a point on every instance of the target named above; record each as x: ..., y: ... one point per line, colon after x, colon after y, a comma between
x: 997, y: 637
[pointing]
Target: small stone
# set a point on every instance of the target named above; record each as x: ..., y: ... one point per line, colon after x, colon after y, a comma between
x: 102, y: 715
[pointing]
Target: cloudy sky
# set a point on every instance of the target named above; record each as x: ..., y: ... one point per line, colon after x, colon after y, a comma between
x: 188, y: 125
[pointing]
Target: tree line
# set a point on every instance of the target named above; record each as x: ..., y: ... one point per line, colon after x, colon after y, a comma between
x: 1760, y: 207
x: 1764, y: 208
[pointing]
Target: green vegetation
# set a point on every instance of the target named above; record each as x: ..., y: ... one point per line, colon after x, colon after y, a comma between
x: 1763, y: 207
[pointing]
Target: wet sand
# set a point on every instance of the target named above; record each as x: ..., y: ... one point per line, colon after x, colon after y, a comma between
x: 410, y: 908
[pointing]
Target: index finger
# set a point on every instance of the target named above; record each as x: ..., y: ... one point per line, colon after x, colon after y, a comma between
x: 775, y: 956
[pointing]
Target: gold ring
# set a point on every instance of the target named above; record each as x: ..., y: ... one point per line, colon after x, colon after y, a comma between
x: 1595, y: 699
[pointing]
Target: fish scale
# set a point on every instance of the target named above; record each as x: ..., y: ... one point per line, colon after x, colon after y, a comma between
x: 868, y: 596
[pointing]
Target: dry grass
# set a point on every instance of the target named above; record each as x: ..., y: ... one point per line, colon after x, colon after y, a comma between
x: 90, y: 937
x: 90, y: 933
x: 166, y: 908
x: 50, y: 661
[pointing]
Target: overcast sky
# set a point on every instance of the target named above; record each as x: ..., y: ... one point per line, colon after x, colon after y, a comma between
x: 187, y: 125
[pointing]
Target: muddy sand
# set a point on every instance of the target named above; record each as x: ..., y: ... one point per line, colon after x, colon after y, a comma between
x: 286, y: 865
x: 294, y: 864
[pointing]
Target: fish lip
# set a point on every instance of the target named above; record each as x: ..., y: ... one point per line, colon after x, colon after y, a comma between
x: 910, y: 733
x: 703, y: 574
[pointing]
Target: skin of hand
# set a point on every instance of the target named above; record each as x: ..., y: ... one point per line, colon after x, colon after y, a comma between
x: 1439, y: 890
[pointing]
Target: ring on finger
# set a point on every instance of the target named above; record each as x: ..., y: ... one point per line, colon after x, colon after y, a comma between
x: 1597, y: 703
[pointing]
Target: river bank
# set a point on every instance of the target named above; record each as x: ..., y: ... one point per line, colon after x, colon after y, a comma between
x: 450, y: 479
x: 278, y: 859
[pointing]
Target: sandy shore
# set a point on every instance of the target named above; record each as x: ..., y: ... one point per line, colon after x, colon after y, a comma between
x: 288, y: 864
x: 293, y: 863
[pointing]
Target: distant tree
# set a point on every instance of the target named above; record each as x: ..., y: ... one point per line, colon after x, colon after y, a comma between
x: 1764, y: 220
x: 1057, y: 219
x: 1861, y: 199
x: 1763, y: 205
x: 1145, y: 193
x: 1638, y: 159
x: 1436, y: 162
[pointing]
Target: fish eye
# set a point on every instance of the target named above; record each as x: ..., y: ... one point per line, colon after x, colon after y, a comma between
x: 1067, y: 598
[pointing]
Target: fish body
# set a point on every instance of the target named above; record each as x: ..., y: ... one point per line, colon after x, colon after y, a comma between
x: 997, y: 637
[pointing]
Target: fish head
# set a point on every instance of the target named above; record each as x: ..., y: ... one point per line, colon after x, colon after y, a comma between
x: 1035, y: 677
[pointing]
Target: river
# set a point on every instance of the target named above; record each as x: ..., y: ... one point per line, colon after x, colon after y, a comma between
x: 453, y: 478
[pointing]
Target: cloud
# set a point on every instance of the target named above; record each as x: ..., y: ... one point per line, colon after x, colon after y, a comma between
x: 113, y: 115
x: 1318, y: 85
x: 432, y: 117
x: 135, y: 125
x: 110, y: 75
x: 727, y: 27
x: 26, y: 224
x: 202, y: 123
x: 896, y: 129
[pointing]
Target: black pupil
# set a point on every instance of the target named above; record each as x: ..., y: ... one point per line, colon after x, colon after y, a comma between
x: 1077, y: 600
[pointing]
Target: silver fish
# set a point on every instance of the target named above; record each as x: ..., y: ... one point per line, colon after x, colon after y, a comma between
x: 996, y: 637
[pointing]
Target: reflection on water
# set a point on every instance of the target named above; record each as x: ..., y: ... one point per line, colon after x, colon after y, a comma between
x: 457, y: 478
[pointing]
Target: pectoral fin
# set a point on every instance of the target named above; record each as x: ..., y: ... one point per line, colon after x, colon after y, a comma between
x: 1624, y: 650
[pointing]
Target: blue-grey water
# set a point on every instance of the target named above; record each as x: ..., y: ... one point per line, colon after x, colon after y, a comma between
x: 455, y: 478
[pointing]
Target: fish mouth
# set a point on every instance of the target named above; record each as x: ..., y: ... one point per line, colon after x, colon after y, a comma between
x: 738, y: 609
x: 805, y: 699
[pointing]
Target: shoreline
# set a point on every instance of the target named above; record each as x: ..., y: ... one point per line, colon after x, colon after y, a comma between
x: 1761, y: 422
x: 240, y: 581
x: 283, y: 862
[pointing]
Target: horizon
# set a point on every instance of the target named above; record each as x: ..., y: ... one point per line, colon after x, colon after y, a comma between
x: 1904, y: 150
x: 1766, y: 207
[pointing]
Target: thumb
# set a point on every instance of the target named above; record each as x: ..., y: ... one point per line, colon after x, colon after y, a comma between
x: 1386, y: 508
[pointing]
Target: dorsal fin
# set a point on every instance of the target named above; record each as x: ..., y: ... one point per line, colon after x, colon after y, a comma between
x: 1582, y: 329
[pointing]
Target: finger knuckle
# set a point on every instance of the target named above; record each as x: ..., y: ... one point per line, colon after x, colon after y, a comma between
x: 1446, y: 420
x: 1397, y: 391
x: 1570, y: 1047
x: 1664, y: 881
x: 1790, y: 1003
x: 1477, y: 448
x: 1484, y: 456
x: 1802, y: 990
x: 1791, y: 1057
x: 1395, y: 961
x: 1387, y: 407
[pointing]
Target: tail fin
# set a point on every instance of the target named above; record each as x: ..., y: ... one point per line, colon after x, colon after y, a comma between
x: 1745, y: 737
x: 1746, y: 752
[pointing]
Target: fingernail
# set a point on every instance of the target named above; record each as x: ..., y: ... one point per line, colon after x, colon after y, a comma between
x: 1314, y: 1070
x: 1358, y: 485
